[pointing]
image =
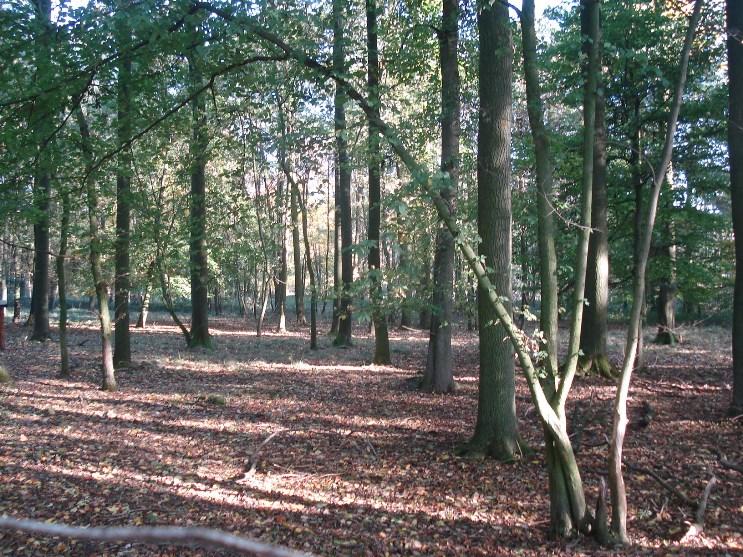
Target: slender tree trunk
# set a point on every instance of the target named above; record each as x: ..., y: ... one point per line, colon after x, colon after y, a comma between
x: 122, y: 282
x: 197, y: 219
x: 544, y: 173
x: 310, y: 268
x: 636, y: 159
x: 343, y: 193
x: 40, y: 124
x: 298, y: 267
x: 108, y: 382
x: 439, y: 374
x: 616, y: 480
x: 379, y: 317
x: 280, y: 282
x: 337, y: 274
x: 146, y: 295
x: 64, y: 232
x: 735, y: 142
x: 496, y: 429
x: 595, y: 326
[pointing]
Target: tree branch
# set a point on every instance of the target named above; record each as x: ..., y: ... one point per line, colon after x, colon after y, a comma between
x: 176, y: 535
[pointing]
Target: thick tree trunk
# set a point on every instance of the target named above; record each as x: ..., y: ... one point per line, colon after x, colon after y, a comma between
x: 616, y: 480
x: 197, y: 218
x: 39, y: 316
x: 439, y: 374
x: 64, y: 231
x: 735, y: 142
x: 122, y: 281
x: 595, y: 320
x: 343, y: 193
x: 108, y: 379
x: 379, y: 317
x: 496, y: 429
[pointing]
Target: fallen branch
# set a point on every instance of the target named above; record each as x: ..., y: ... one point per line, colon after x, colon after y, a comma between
x: 177, y: 535
x: 675, y: 491
x: 697, y: 528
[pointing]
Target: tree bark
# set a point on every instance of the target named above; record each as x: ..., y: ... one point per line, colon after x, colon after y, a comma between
x: 297, y: 252
x: 108, y: 379
x: 439, y: 374
x: 122, y: 280
x: 343, y: 193
x: 496, y: 429
x: 735, y: 142
x: 595, y: 322
x: 379, y: 317
x: 548, y: 320
x: 40, y: 124
x: 198, y: 258
x: 64, y: 232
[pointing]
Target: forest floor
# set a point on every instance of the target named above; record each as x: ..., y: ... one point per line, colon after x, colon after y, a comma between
x: 362, y: 464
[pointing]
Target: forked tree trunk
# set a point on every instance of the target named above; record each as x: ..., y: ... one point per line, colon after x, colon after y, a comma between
x: 735, y: 149
x: 379, y: 317
x: 616, y: 480
x: 439, y: 374
x: 108, y: 382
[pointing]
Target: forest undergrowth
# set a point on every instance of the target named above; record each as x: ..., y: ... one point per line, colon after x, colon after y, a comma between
x: 322, y: 452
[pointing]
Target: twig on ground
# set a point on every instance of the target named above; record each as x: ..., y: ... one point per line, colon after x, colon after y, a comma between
x: 675, y: 491
x: 175, y: 535
x: 697, y: 528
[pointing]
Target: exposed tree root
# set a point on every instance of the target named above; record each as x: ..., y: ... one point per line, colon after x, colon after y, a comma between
x: 597, y: 364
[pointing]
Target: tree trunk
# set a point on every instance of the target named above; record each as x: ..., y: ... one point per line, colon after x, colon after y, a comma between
x: 40, y: 125
x: 108, y: 379
x: 439, y: 374
x: 636, y: 160
x: 595, y: 321
x: 337, y: 274
x: 197, y: 218
x: 616, y: 480
x: 496, y: 429
x: 310, y: 268
x: 549, y: 316
x: 735, y: 142
x: 146, y: 295
x: 298, y: 267
x: 343, y: 193
x: 64, y: 231
x: 379, y: 317
x: 122, y: 281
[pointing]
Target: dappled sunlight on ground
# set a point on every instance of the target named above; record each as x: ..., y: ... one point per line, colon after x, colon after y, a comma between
x: 321, y: 451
